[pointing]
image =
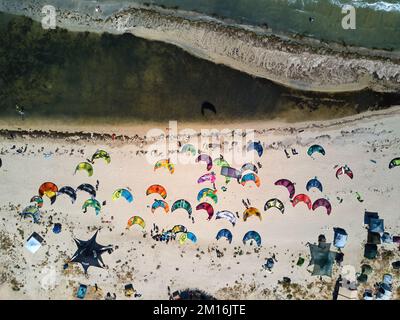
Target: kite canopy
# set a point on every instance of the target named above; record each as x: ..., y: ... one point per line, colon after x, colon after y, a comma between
x: 207, y: 159
x: 315, y: 148
x: 224, y: 233
x: 165, y: 163
x: 92, y: 203
x: 182, y: 204
x: 339, y: 237
x: 252, y: 235
x: 208, y: 207
x: 274, y: 203
x: 207, y: 192
x: 156, y: 188
x: 87, y: 188
x: 38, y: 200
x: 50, y: 190
x: 250, y: 167
x: 182, y: 238
x: 136, y: 220
x: 288, y: 185
x: 322, y: 259
x: 256, y: 146
x: 101, y: 154
x: 302, y: 198
x: 69, y: 191
x: 314, y: 183
x: 159, y: 203
x: 207, y: 177
x: 189, y: 148
x: 191, y: 236
x: 394, y: 163
x: 250, y: 177
x: 33, y: 212
x: 85, y: 166
x: 226, y: 215
x: 89, y: 253
x: 249, y: 212
x: 322, y: 203
x: 124, y: 193
x: 230, y: 172
x: 178, y: 228
x: 344, y: 170
x: 221, y: 162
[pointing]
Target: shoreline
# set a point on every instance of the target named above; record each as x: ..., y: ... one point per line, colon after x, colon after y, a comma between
x: 136, y: 132
x: 306, y: 65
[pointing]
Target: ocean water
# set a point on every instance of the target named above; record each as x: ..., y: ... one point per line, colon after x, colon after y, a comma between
x: 112, y: 78
x: 377, y: 22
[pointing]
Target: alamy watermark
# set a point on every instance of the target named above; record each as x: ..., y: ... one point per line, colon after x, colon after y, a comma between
x: 228, y: 144
x: 349, y: 20
x: 49, y: 21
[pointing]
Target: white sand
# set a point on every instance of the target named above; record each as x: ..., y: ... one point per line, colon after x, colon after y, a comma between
x: 346, y: 141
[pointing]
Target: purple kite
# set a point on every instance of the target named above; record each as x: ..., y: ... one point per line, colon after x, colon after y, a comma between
x: 208, y: 207
x: 207, y: 159
x: 231, y: 172
x: 322, y: 203
x: 288, y: 184
x: 207, y: 177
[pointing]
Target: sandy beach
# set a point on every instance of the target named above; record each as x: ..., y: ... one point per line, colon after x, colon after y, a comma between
x: 306, y: 128
x: 366, y: 143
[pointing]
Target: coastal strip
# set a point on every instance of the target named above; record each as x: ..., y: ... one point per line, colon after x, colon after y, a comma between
x: 302, y: 64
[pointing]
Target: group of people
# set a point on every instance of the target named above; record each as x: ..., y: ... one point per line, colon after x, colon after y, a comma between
x: 161, y: 236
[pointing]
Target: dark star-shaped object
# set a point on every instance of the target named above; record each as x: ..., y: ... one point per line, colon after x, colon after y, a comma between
x: 89, y: 253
